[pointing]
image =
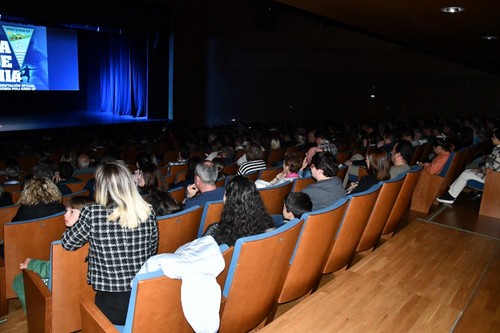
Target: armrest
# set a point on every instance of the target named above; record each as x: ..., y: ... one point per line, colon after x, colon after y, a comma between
x: 4, y: 304
x: 93, y: 320
x: 228, y: 255
x: 38, y: 302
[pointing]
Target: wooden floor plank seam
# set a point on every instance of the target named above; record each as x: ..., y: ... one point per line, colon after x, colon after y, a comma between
x: 476, y: 288
x: 457, y: 228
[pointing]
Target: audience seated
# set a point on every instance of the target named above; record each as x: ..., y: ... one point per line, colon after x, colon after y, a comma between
x: 192, y: 163
x: 5, y: 197
x: 305, y: 169
x: 46, y: 171
x: 69, y: 156
x: 378, y: 170
x: 388, y: 141
x: 147, y: 175
x: 90, y: 185
x: 493, y: 163
x: 83, y: 165
x: 328, y: 188
x: 227, y: 154
x: 243, y: 214
x: 401, y: 155
x: 254, y: 161
x: 321, y: 140
x: 203, y: 188
x: 219, y: 165
x: 215, y: 149
x: 42, y: 267
x: 65, y: 174
x: 291, y: 167
x: 12, y: 175
x: 163, y: 203
x: 122, y: 232
x: 442, y: 153
x: 295, y: 204
x: 146, y: 179
x: 182, y: 157
x: 39, y: 198
x: 235, y: 138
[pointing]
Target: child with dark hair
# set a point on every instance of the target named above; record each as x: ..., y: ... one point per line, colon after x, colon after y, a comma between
x: 296, y: 204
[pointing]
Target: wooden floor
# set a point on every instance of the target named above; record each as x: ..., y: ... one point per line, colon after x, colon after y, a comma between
x: 464, y: 296
x: 444, y: 280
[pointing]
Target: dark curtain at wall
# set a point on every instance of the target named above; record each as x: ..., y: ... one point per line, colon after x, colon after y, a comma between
x: 123, y: 75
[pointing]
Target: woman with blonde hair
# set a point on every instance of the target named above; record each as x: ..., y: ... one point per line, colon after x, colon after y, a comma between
x: 40, y: 197
x: 122, y: 231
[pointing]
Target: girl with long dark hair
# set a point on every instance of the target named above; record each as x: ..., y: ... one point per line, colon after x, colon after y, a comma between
x: 243, y: 215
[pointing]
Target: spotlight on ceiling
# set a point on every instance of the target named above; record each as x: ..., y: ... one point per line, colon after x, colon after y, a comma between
x: 489, y: 37
x: 452, y: 10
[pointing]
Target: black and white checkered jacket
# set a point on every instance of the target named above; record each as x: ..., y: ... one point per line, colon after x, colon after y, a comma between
x: 116, y: 254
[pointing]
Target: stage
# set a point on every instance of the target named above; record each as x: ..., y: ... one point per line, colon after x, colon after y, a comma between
x: 12, y: 122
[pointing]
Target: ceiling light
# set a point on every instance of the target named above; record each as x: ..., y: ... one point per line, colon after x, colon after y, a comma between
x: 452, y: 10
x: 489, y: 37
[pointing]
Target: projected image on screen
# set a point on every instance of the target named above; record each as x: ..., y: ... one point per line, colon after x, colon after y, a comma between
x: 37, y: 58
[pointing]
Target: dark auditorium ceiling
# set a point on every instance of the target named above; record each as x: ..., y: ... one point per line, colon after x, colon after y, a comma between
x: 422, y: 26
x: 415, y: 25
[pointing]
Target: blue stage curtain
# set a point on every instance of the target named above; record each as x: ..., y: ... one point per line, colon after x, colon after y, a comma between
x: 123, y: 75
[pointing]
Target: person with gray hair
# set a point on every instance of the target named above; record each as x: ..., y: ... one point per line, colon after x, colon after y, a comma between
x: 203, y: 189
x: 83, y: 165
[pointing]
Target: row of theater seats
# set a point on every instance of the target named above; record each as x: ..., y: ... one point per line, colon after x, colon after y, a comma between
x: 260, y: 273
x: 431, y: 186
x: 370, y: 216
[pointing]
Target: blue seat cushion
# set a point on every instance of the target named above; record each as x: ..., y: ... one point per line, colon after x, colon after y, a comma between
x: 474, y: 184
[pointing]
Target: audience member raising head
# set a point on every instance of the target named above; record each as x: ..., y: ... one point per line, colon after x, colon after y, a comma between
x: 243, y: 214
x: 122, y: 231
